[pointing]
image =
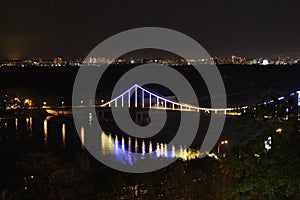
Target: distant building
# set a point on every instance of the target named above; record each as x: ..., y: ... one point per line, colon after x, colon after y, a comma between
x: 265, y: 62
x: 58, y: 61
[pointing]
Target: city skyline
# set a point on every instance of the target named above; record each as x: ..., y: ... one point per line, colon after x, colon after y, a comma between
x: 134, y: 59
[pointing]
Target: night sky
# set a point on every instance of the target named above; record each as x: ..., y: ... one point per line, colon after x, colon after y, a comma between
x: 50, y: 28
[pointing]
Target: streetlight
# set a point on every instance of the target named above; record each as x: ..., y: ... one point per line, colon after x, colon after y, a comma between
x: 223, y: 142
x: 279, y: 130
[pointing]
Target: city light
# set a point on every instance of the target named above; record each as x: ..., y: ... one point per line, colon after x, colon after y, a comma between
x: 279, y: 130
x: 265, y: 62
x: 101, y: 61
x: 298, y: 97
x: 150, y: 100
x: 223, y: 142
x: 268, y: 143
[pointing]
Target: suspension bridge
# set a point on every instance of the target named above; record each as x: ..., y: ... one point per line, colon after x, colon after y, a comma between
x: 146, y: 99
x: 139, y: 98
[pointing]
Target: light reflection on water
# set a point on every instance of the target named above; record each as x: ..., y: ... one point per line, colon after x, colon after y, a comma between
x: 82, y: 137
x: 30, y: 124
x: 45, y: 131
x: 111, y: 145
x: 63, y: 132
x: 16, y: 123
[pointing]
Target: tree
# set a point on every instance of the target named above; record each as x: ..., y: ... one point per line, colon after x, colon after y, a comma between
x: 47, y: 177
x: 268, y: 156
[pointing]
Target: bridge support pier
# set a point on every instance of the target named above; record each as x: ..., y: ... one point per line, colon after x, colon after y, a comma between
x: 101, y: 114
x: 139, y: 117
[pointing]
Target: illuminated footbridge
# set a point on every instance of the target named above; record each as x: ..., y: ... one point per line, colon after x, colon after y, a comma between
x: 151, y: 100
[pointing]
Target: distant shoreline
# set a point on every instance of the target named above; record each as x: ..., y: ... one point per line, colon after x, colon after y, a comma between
x: 17, y: 113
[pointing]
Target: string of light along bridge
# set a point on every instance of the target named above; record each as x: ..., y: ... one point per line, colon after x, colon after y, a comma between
x: 154, y: 101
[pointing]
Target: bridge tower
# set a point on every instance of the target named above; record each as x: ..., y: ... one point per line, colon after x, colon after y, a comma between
x: 138, y: 108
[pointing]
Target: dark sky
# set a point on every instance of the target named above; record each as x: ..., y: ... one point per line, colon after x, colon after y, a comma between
x: 50, y: 28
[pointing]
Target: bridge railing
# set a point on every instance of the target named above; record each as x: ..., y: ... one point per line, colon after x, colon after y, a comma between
x: 153, y: 101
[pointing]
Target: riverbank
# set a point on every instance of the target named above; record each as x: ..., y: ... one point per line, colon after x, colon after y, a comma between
x: 18, y: 113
